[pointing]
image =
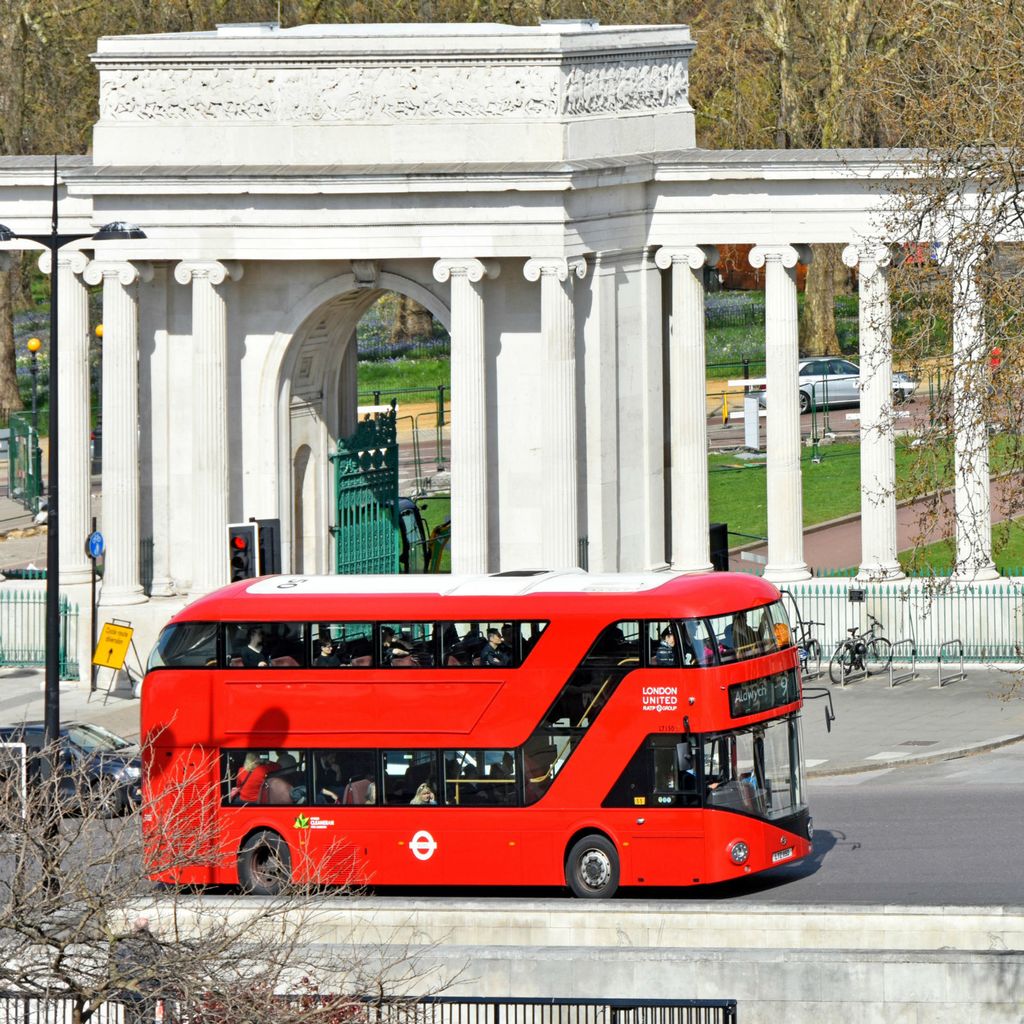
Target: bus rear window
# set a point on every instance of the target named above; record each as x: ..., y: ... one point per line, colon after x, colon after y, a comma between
x: 185, y: 645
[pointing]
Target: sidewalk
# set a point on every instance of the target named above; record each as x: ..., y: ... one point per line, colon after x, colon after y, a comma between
x: 875, y: 726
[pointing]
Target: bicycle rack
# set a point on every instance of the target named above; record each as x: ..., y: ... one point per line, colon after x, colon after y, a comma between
x: 956, y: 675
x: 911, y: 673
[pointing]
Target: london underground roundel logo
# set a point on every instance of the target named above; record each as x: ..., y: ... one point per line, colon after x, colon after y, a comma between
x: 422, y: 845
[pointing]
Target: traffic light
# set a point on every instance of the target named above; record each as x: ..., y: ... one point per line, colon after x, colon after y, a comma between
x: 243, y: 542
x: 268, y: 541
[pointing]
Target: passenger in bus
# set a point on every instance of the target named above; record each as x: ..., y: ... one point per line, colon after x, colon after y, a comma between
x: 424, y: 795
x: 743, y: 638
x: 249, y: 780
x: 492, y: 655
x: 665, y: 655
x: 361, y: 790
x: 392, y: 647
x: 327, y: 656
x: 279, y: 785
x: 253, y: 655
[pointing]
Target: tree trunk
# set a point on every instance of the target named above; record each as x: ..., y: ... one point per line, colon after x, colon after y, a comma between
x: 10, y: 399
x: 413, y: 322
x: 818, y: 323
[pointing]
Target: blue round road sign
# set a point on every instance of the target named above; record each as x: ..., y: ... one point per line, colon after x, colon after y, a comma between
x: 94, y: 545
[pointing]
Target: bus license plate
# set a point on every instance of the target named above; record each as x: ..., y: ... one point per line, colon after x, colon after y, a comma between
x: 781, y: 855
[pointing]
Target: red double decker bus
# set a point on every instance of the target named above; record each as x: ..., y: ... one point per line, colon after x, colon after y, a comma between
x: 552, y: 728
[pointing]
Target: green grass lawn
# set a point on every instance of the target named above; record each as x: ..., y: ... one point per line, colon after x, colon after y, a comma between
x: 388, y: 376
x: 831, y: 489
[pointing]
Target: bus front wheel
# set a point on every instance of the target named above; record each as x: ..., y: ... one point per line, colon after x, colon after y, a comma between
x: 264, y: 864
x: 592, y: 868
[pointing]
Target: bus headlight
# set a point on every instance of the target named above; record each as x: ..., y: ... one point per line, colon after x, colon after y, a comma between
x: 810, y: 828
x: 739, y: 852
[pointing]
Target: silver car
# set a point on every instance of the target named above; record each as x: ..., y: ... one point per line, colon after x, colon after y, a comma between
x: 834, y: 381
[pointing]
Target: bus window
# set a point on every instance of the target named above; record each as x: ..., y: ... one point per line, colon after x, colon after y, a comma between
x: 697, y: 643
x: 343, y: 645
x: 662, y: 773
x: 407, y: 645
x: 262, y: 776
x: 662, y: 644
x: 479, y: 644
x: 185, y: 645
x: 752, y: 633
x: 265, y: 645
x: 475, y: 778
x: 345, y: 777
x: 409, y: 777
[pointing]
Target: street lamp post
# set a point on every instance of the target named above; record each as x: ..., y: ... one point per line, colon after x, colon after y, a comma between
x: 54, y: 241
x: 33, y: 346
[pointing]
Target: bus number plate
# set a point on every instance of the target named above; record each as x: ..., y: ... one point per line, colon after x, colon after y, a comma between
x: 781, y: 855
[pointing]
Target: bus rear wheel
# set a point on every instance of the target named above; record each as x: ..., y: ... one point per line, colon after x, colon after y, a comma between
x: 592, y: 868
x: 264, y: 864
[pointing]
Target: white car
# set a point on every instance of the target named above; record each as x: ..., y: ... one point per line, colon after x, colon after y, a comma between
x: 833, y: 382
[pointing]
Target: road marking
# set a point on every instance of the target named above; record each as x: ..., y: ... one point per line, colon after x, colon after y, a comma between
x: 888, y: 755
x: 813, y: 762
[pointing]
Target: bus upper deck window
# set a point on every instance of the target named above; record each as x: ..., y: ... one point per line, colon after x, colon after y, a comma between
x: 185, y: 645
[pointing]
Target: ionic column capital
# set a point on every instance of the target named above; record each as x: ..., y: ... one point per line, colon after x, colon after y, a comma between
x: 96, y: 271
x: 868, y: 256
x: 788, y: 255
x: 554, y: 266
x: 214, y: 271
x: 74, y: 259
x: 693, y: 256
x: 471, y: 269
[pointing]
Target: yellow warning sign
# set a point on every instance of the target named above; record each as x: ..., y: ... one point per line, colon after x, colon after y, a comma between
x: 113, y: 645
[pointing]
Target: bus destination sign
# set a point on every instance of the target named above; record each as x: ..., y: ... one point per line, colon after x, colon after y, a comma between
x: 766, y: 694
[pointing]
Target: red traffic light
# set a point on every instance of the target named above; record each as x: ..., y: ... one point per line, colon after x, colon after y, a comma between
x: 239, y: 542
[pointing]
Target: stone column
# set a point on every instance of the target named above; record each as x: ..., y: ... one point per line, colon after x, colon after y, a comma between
x: 877, y: 442
x: 972, y: 497
x: 688, y: 434
x: 781, y: 350
x: 121, y: 577
x: 210, y: 462
x: 74, y: 463
x: 560, y: 542
x: 470, y: 507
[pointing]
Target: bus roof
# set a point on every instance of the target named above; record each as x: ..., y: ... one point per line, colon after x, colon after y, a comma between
x: 704, y: 593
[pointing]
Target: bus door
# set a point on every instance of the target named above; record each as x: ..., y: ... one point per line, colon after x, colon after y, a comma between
x: 480, y: 825
x: 667, y: 838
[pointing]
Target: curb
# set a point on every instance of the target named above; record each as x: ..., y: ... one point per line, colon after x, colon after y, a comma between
x: 950, y: 754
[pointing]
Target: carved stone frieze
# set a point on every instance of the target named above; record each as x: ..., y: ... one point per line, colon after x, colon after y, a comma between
x: 613, y: 87
x: 368, y: 93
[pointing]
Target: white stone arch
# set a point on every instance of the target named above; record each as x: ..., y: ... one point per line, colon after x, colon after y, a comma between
x: 334, y: 307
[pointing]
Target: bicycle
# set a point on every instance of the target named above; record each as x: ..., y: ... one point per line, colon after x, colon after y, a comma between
x: 807, y: 646
x: 868, y: 651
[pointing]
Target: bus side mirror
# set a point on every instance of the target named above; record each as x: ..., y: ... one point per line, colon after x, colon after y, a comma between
x: 684, y: 757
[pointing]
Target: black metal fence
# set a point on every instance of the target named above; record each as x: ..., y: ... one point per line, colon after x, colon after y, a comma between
x: 19, y: 1009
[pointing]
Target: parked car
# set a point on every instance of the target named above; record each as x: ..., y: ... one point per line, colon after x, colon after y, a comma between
x: 834, y: 382
x: 102, y: 769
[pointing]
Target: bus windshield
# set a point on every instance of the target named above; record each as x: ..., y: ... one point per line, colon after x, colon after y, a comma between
x: 757, y: 770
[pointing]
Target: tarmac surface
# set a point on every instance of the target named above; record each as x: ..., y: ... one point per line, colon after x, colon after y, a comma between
x: 875, y: 726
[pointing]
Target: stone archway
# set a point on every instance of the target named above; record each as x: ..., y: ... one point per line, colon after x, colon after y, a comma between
x: 310, y: 378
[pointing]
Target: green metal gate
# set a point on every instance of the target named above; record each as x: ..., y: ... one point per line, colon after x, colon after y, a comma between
x: 366, y: 538
x: 25, y: 465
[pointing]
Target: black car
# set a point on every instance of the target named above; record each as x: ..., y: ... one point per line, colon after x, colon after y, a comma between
x: 102, y: 768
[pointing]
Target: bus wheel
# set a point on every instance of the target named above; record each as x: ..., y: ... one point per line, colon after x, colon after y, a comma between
x: 264, y: 865
x: 592, y: 868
